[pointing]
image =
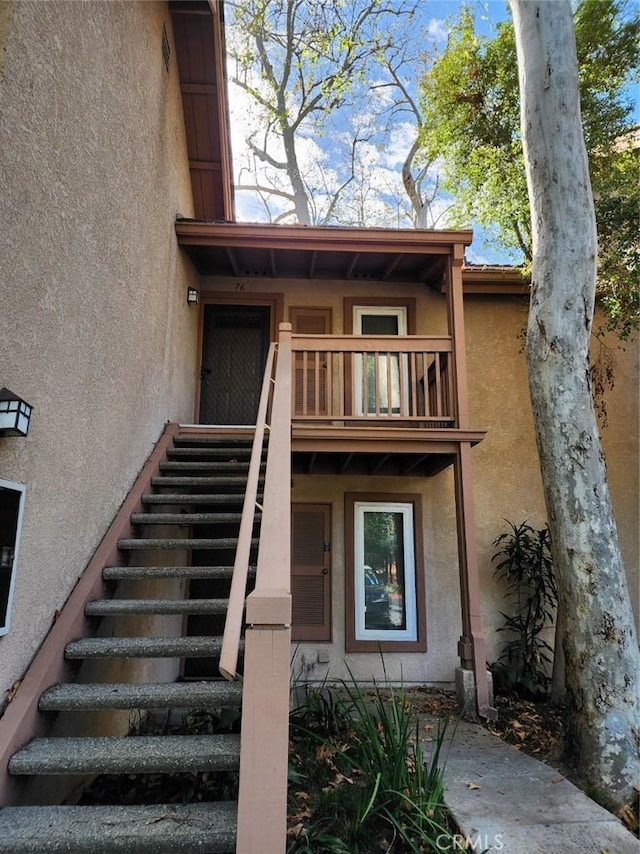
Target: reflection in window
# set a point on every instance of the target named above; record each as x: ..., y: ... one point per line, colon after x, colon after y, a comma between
x: 385, y: 596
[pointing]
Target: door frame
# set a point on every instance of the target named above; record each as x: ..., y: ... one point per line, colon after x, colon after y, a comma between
x: 273, y: 301
x: 400, y: 312
x: 379, y: 302
x: 348, y: 313
x: 351, y: 643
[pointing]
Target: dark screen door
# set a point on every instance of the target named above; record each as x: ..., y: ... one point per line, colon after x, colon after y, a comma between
x: 235, y: 342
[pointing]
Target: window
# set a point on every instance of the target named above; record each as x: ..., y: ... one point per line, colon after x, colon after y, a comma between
x: 379, y: 388
x: 385, y: 581
x: 11, y: 507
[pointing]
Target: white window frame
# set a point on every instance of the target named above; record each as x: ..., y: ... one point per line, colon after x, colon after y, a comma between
x: 410, y: 633
x: 15, y: 487
x: 399, y: 312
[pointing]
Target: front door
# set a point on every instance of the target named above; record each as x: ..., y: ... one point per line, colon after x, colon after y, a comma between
x: 235, y: 342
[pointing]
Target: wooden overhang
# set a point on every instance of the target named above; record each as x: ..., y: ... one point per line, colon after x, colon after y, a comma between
x: 198, y: 31
x: 249, y: 250
x: 395, y: 452
x: 319, y: 252
x: 495, y: 279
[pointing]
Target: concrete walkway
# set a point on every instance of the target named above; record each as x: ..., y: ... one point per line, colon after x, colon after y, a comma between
x: 508, y: 802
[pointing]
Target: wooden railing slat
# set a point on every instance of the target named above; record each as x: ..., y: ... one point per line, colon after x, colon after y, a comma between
x: 335, y: 387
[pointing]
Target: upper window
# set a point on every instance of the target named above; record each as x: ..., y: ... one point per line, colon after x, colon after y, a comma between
x: 379, y: 320
x: 385, y: 589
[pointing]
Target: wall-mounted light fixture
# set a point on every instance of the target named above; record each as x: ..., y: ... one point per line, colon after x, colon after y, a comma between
x: 193, y: 296
x: 15, y: 414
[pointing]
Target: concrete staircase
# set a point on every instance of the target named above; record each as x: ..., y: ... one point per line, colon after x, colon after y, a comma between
x: 193, y: 513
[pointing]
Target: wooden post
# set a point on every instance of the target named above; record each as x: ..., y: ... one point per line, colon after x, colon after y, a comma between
x: 262, y: 799
x: 471, y: 646
x: 264, y: 739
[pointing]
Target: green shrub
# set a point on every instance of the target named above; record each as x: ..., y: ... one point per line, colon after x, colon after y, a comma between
x: 358, y: 762
x: 524, y: 563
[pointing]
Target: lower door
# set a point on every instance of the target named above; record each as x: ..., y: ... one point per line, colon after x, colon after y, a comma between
x: 311, y: 572
x: 235, y: 342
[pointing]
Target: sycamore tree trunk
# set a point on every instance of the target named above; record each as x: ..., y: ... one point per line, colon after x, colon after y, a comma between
x: 602, y: 658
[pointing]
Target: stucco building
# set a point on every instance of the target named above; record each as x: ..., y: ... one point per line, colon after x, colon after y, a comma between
x: 406, y: 455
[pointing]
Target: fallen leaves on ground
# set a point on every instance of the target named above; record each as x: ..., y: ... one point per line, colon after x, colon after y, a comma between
x: 535, y: 727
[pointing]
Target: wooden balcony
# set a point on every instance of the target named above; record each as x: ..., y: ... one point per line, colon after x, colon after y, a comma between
x: 382, y: 404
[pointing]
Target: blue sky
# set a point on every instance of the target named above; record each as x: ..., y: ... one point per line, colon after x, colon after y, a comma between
x: 381, y: 163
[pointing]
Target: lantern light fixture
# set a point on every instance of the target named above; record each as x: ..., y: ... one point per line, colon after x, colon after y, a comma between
x: 15, y: 414
x: 193, y: 296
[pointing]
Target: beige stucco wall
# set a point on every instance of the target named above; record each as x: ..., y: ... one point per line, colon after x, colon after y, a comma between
x: 96, y: 333
x: 508, y: 484
x: 507, y: 478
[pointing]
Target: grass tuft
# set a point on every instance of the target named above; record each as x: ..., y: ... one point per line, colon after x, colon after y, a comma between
x: 358, y: 778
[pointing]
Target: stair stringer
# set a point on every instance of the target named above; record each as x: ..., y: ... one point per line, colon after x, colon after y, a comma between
x: 22, y: 720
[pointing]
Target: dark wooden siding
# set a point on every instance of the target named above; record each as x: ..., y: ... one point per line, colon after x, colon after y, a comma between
x: 199, y: 46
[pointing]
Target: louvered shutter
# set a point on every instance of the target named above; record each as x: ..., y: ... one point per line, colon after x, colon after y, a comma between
x: 311, y: 572
x: 310, y: 368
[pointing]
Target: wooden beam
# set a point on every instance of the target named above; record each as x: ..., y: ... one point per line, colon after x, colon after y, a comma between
x: 388, y: 270
x: 379, y: 464
x: 345, y: 463
x: 414, y: 465
x: 322, y: 238
x: 233, y: 261
x: 455, y: 312
x: 429, y: 269
x: 312, y: 264
x: 352, y: 265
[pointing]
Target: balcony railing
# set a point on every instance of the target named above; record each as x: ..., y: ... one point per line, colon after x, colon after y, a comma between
x: 384, y: 379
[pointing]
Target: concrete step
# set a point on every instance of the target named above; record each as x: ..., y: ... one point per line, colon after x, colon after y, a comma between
x: 148, y: 754
x: 180, y: 543
x: 127, y: 607
x: 185, y: 518
x: 75, y: 697
x: 186, y: 498
x: 213, y: 467
x: 137, y: 573
x: 245, y: 441
x: 220, y: 483
x: 212, y: 453
x: 157, y: 829
x: 144, y: 647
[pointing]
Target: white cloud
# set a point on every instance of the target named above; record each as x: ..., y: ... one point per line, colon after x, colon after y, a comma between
x: 438, y: 30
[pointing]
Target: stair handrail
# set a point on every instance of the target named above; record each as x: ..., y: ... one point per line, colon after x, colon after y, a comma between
x: 264, y: 739
x: 235, y: 611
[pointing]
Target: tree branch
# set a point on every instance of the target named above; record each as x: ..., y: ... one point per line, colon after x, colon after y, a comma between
x: 258, y: 188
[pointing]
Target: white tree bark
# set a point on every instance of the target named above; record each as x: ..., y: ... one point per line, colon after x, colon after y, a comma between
x: 602, y: 658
